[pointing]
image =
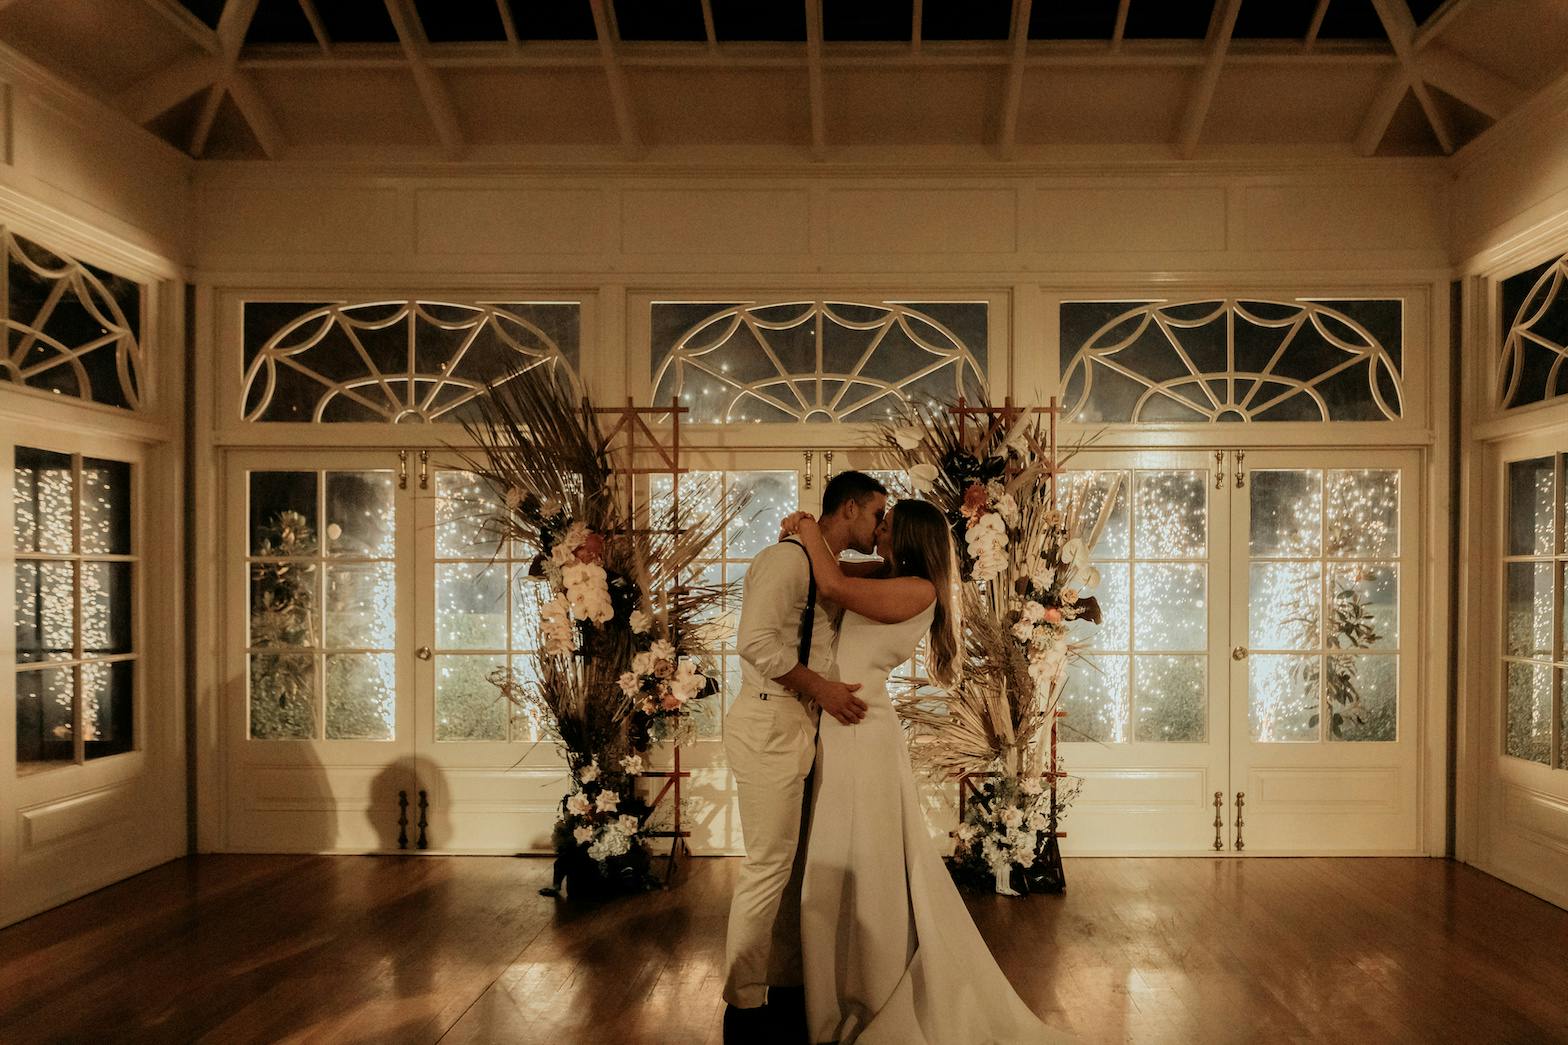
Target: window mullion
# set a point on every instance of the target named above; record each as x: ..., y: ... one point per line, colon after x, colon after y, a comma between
x: 78, y: 647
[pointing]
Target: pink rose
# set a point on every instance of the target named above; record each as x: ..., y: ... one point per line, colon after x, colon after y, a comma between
x: 975, y: 498
x: 1053, y: 615
x: 592, y: 548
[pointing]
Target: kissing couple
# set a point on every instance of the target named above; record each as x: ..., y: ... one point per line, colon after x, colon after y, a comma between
x: 845, y: 925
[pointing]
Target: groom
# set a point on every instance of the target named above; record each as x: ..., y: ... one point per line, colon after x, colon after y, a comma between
x: 786, y: 645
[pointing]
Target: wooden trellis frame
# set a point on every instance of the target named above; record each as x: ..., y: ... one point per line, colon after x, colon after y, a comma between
x: 631, y: 421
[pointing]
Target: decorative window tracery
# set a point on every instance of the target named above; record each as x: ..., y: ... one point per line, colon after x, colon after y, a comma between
x: 816, y: 361
x: 71, y: 328
x: 395, y: 361
x: 1534, y: 317
x: 1235, y: 360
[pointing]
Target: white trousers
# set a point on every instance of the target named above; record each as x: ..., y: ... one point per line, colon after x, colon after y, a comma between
x: 771, y: 745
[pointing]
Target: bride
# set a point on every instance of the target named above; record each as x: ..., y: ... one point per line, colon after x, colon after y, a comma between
x: 890, y: 952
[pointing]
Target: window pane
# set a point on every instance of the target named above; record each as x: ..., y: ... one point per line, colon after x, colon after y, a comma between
x: 361, y: 606
x: 106, y: 507
x: 1533, y: 310
x: 1172, y: 699
x: 1101, y: 498
x: 284, y: 604
x: 468, y: 707
x: 1171, y: 515
x: 42, y: 497
x: 1364, y: 605
x: 361, y: 696
x: 471, y: 606
x: 359, y: 514
x: 108, y: 722
x: 1363, y: 514
x: 1531, y: 522
x: 464, y: 503
x: 45, y: 611
x: 283, y: 513
x: 44, y: 714
x: 106, y: 608
x: 282, y: 696
x: 1363, y: 698
x: 773, y: 495
x: 1283, y: 696
x: 1530, y: 712
x: 1284, y: 605
x: 1115, y: 611
x: 1169, y: 606
x: 1287, y: 512
x: 1095, y: 699
x: 528, y: 598
x: 1528, y: 627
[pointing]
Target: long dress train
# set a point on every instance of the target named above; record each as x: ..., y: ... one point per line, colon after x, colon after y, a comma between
x: 891, y: 954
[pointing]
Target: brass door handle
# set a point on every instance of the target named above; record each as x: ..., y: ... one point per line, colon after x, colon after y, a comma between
x: 1219, y: 821
x: 423, y: 653
x: 1239, y: 653
x: 1241, y: 800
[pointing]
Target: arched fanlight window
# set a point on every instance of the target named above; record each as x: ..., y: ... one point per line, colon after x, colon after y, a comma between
x: 73, y: 328
x: 815, y: 360
x: 395, y: 361
x: 1535, y: 335
x: 1232, y: 360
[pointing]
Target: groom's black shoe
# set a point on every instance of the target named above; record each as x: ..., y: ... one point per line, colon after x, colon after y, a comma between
x: 747, y: 1026
x: 788, y: 1006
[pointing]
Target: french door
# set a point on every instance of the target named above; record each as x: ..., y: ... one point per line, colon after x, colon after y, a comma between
x: 372, y: 614
x: 1252, y: 688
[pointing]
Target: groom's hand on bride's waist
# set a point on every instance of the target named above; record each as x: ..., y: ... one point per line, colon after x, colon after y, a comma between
x: 838, y: 699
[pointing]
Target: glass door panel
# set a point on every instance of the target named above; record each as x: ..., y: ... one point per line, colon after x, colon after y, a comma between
x: 1323, y: 721
x: 1145, y: 708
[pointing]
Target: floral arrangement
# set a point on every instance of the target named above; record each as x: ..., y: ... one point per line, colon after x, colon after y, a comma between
x: 622, y: 637
x: 1001, y: 841
x: 1023, y: 542
x: 599, y: 833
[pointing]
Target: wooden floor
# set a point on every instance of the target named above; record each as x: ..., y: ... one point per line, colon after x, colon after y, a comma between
x: 464, y: 950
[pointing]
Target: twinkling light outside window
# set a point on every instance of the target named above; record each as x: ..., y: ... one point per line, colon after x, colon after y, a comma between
x: 75, y: 567
x: 815, y: 361
x: 1323, y: 604
x: 1149, y: 679
x: 323, y: 617
x: 1534, y: 616
x: 771, y: 496
x: 487, y: 616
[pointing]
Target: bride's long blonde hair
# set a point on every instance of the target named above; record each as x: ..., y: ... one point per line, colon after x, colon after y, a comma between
x: 922, y: 546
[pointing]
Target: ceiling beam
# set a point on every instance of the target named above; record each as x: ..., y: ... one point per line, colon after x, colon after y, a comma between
x: 814, y: 87
x: 620, y: 95
x: 432, y: 89
x: 1221, y: 26
x: 1438, y: 21
x: 317, y: 26
x: 1013, y: 88
x: 1392, y: 91
x: 1401, y: 29
x: 1315, y: 26
x: 233, y: 24
x: 1119, y: 30
x: 1473, y: 84
x: 168, y: 87
x: 186, y: 23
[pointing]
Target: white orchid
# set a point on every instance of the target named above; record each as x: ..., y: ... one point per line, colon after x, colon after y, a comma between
x: 556, y: 634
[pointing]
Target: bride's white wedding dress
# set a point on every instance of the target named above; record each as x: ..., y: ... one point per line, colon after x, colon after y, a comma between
x: 891, y: 954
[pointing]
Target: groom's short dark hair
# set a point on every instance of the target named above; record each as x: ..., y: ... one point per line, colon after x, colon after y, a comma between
x: 848, y: 486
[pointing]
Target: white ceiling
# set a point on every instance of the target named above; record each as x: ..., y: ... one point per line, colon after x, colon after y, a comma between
x: 396, y: 79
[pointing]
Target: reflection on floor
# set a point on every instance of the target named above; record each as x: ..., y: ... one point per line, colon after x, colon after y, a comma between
x: 464, y: 949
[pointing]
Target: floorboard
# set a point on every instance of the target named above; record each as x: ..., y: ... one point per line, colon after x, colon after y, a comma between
x: 464, y: 950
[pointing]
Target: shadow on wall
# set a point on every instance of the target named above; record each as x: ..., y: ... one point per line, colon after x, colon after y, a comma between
x: 411, y: 776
